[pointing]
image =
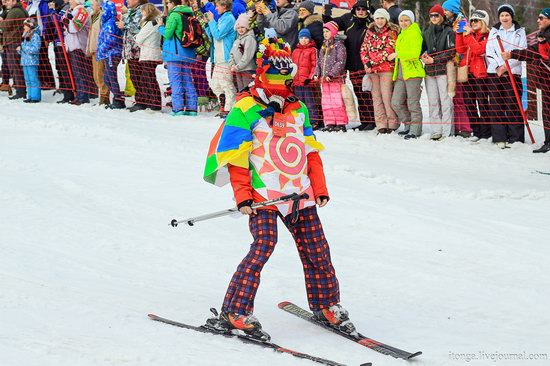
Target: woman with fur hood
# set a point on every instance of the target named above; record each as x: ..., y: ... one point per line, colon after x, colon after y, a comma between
x: 378, y: 54
x: 310, y: 21
x: 330, y: 70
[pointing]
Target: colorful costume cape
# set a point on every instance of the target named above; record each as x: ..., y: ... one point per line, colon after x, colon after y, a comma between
x: 277, y: 165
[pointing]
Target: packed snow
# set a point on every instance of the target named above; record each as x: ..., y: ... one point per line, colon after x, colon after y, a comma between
x: 438, y: 246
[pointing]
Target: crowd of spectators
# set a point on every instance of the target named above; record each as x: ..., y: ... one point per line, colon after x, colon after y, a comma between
x: 368, y: 65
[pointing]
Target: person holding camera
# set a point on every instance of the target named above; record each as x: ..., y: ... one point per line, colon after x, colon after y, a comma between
x: 223, y: 34
x: 284, y: 20
x: 77, y: 23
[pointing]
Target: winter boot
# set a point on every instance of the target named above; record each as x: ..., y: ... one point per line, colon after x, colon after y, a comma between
x: 67, y: 97
x: 249, y: 324
x: 337, y: 317
x: 117, y: 104
x: 104, y: 100
x: 222, y: 113
x: 137, y: 107
x: 543, y: 149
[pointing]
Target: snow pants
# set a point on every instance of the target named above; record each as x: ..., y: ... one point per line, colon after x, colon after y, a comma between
x: 405, y: 101
x: 321, y: 282
x: 334, y: 110
x: 111, y: 78
x: 476, y: 100
x: 441, y: 105
x: 15, y: 68
x: 222, y: 83
x: 382, y: 88
x: 82, y: 75
x: 99, y: 77
x: 33, y: 83
x: 461, y: 117
x: 184, y: 94
x: 309, y: 95
x: 506, y: 119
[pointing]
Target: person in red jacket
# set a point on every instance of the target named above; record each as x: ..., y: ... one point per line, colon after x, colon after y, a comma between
x: 305, y: 58
x: 470, y: 44
x: 267, y: 146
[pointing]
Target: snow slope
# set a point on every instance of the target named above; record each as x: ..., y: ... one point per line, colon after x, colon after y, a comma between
x: 439, y: 246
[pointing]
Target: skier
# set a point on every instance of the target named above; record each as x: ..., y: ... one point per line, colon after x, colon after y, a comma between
x: 266, y: 149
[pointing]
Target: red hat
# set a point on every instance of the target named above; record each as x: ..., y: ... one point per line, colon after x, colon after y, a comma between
x: 437, y: 9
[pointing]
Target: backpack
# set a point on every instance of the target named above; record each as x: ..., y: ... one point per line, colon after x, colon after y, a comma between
x: 192, y: 35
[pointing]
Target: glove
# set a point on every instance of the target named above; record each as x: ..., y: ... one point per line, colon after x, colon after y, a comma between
x: 66, y: 21
x: 307, y: 81
x: 245, y: 203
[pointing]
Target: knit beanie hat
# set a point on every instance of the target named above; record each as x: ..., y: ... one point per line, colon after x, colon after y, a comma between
x: 437, y: 9
x: 452, y: 5
x: 546, y: 12
x: 407, y: 13
x: 304, y: 33
x: 30, y: 22
x: 243, y: 21
x: 506, y: 8
x: 381, y: 13
x: 332, y: 26
x: 308, y: 5
x: 275, y: 67
x: 481, y: 15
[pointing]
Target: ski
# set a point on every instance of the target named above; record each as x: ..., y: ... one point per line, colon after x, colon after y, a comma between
x: 358, y: 338
x: 249, y: 340
x: 541, y: 172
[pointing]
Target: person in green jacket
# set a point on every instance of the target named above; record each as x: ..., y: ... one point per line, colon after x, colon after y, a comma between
x: 408, y: 74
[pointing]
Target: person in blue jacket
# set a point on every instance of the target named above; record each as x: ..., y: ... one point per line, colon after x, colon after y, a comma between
x: 222, y: 33
x: 30, y: 48
x: 179, y: 60
x: 109, y: 50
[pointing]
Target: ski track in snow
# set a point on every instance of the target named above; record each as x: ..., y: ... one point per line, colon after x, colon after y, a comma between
x: 439, y: 246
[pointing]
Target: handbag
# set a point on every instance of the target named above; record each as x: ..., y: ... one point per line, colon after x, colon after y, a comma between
x: 349, y: 103
x: 462, y: 72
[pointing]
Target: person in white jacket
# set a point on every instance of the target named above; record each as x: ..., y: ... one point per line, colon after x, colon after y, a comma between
x: 505, y: 116
x: 150, y: 57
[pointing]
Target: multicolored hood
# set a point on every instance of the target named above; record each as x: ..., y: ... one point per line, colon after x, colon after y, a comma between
x: 275, y: 70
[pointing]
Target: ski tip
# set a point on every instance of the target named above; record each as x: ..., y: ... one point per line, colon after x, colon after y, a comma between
x: 366, y: 364
x: 414, y: 355
x: 283, y: 304
x: 152, y: 316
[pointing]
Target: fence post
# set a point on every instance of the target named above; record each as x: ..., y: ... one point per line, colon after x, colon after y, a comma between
x: 516, y: 93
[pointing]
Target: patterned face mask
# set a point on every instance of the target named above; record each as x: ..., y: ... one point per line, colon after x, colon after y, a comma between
x: 275, y: 70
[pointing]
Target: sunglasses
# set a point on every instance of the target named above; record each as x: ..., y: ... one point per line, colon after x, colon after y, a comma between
x: 474, y: 21
x: 542, y: 17
x: 360, y: 9
x: 434, y: 15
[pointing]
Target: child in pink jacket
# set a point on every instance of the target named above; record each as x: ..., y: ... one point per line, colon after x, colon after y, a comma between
x: 330, y: 71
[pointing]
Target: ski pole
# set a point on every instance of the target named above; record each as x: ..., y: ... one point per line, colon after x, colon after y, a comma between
x: 516, y: 93
x: 191, y: 221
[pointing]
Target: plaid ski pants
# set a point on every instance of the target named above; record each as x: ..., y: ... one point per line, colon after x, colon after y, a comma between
x: 321, y: 282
